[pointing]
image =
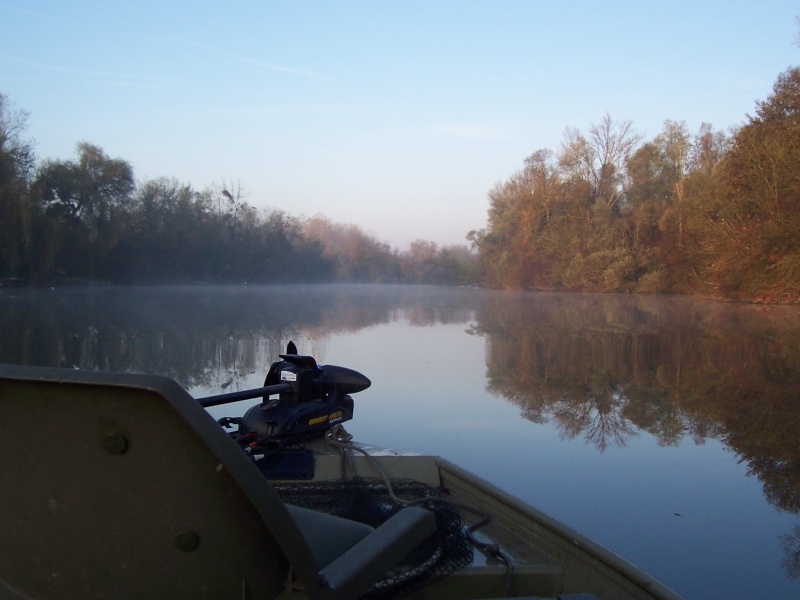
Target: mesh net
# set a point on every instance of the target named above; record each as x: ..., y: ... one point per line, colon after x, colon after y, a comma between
x: 368, y: 501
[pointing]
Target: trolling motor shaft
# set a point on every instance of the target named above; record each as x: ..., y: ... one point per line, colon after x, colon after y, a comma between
x: 243, y: 395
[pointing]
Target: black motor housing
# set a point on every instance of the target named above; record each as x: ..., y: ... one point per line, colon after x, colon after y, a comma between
x: 314, y: 399
x: 304, y: 419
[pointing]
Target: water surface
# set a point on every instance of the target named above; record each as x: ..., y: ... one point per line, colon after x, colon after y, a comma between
x: 663, y: 427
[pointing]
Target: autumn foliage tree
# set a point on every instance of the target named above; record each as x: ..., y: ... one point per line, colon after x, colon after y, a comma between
x: 752, y: 241
x: 705, y: 213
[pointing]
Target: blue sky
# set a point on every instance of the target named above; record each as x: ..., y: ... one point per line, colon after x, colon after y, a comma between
x: 396, y: 116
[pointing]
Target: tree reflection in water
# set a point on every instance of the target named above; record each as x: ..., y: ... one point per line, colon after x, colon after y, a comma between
x: 791, y: 553
x: 605, y: 367
x: 599, y: 416
x: 608, y: 367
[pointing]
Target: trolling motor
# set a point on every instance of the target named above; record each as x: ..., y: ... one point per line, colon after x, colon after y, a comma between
x: 311, y: 399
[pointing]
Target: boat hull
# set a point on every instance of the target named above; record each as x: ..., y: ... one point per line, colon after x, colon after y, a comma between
x: 548, y: 557
x: 141, y: 493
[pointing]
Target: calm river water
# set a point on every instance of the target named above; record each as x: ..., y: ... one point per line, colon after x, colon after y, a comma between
x: 666, y: 428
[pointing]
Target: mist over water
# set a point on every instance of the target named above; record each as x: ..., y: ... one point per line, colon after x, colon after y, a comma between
x: 663, y: 427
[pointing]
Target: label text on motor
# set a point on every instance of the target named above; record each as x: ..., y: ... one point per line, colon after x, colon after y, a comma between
x: 336, y: 416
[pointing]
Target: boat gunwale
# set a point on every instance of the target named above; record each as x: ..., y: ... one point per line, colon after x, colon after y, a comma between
x: 558, y: 534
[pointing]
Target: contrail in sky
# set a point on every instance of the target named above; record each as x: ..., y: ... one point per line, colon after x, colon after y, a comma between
x: 108, y: 77
x: 26, y: 12
x: 291, y: 70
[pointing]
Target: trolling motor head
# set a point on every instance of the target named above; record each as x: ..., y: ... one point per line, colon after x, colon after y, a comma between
x: 313, y: 399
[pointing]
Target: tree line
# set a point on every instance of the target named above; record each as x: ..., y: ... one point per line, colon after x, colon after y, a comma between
x: 88, y: 219
x: 712, y: 213
x: 715, y: 213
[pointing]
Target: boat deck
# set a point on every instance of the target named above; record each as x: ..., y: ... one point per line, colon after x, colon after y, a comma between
x: 533, y: 571
x: 547, y: 558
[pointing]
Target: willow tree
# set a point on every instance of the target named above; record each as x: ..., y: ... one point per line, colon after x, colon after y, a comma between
x: 86, y: 200
x: 89, y: 190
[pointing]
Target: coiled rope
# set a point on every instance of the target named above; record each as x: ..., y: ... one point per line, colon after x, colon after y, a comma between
x: 338, y: 437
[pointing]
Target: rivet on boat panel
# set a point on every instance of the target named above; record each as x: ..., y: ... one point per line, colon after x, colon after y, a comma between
x: 114, y: 443
x: 187, y: 541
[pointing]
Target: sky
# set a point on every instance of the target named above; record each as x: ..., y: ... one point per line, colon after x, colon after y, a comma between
x: 398, y: 117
